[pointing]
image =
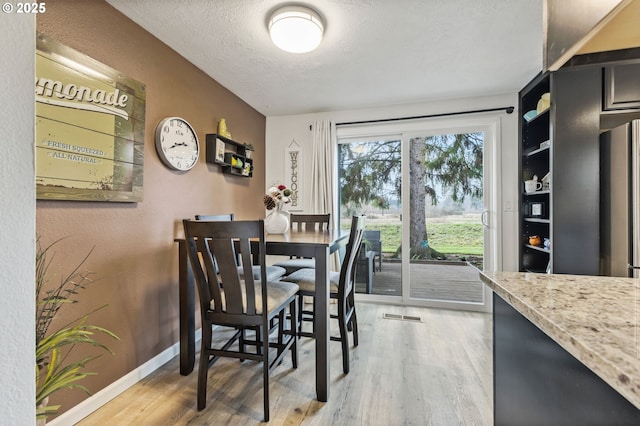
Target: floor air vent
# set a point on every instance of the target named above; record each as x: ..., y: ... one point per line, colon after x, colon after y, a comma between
x: 401, y: 317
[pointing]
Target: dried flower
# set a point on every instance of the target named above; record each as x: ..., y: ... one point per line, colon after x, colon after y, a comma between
x: 276, y: 197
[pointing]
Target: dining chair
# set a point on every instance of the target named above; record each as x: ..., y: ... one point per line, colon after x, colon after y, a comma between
x: 342, y: 288
x: 374, y: 244
x: 365, y: 266
x: 248, y: 303
x: 304, y: 223
x: 273, y: 272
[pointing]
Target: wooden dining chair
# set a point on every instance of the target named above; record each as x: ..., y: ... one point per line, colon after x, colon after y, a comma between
x: 273, y: 272
x: 342, y: 288
x: 304, y: 223
x: 248, y: 303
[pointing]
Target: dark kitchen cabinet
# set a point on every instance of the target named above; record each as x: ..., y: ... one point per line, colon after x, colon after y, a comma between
x: 622, y: 86
x: 561, y: 144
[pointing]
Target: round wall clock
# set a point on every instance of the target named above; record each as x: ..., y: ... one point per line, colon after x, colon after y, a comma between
x: 177, y: 143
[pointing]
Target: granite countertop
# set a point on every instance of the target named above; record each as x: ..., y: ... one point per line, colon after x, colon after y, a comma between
x: 596, y: 319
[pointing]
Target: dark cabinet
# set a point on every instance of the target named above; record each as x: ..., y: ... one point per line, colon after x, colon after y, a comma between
x: 561, y: 144
x: 622, y: 86
x: 535, y: 148
x: 233, y: 157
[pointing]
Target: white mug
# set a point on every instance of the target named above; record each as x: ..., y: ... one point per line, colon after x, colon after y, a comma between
x: 532, y: 186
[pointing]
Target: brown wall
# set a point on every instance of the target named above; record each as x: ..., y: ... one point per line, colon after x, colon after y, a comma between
x: 135, y: 257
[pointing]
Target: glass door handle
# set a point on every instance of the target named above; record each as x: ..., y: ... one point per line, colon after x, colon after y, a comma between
x: 484, y: 218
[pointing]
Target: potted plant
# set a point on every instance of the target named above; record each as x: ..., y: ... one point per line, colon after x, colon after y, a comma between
x: 53, y: 370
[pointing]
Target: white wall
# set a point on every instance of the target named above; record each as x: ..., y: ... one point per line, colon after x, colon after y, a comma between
x: 17, y: 228
x: 281, y: 130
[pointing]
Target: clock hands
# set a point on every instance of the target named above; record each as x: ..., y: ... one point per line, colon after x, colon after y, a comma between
x: 175, y: 145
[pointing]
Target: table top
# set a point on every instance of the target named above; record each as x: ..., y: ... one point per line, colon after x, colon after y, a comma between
x: 596, y: 319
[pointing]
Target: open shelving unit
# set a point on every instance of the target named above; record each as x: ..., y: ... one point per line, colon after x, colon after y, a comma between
x: 233, y: 157
x: 535, y: 150
x: 563, y: 142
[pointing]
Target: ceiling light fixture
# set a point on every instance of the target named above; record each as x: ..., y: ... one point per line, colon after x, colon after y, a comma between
x: 296, y: 29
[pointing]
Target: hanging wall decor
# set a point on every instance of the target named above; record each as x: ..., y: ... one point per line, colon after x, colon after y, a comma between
x: 293, y: 173
x: 89, y: 128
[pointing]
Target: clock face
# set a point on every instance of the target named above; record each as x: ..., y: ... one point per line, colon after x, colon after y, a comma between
x: 177, y: 143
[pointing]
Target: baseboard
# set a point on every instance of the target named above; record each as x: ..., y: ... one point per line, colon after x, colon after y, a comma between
x: 100, y: 398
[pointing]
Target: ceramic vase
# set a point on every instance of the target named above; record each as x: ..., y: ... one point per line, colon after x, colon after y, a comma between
x: 222, y: 129
x: 277, y: 221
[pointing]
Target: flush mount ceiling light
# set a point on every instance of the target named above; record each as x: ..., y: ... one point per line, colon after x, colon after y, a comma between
x: 296, y: 29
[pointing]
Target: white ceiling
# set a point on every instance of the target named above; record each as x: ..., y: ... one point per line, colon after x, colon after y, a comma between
x: 374, y: 52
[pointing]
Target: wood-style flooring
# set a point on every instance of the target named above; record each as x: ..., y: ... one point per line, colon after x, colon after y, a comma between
x: 434, y: 372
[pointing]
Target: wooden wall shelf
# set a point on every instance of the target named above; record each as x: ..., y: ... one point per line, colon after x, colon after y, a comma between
x: 233, y: 157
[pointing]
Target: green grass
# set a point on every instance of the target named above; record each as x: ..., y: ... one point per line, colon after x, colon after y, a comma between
x: 447, y: 238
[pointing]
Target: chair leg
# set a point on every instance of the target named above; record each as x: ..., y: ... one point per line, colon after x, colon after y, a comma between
x: 344, y: 335
x: 313, y: 309
x: 294, y: 333
x: 353, y: 320
x: 300, y: 309
x: 281, y: 317
x: 241, y: 342
x: 265, y: 372
x: 203, y: 366
x: 259, y: 338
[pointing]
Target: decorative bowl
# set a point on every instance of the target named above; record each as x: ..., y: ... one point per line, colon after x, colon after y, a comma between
x: 530, y: 115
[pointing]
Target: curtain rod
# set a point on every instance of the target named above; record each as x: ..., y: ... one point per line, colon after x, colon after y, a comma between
x: 508, y: 109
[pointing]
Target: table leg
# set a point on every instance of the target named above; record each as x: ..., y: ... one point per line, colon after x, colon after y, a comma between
x: 321, y: 317
x: 187, y: 311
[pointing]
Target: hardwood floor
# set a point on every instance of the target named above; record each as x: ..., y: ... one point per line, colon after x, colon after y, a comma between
x: 434, y: 372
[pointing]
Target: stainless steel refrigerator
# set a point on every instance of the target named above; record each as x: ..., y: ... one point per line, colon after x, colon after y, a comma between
x: 620, y: 201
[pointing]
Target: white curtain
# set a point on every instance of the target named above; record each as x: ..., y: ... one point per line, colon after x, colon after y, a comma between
x: 323, y: 170
x: 323, y: 173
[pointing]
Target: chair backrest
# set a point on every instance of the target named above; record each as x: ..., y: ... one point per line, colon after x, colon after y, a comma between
x: 373, y: 240
x: 310, y: 222
x: 211, y: 242
x: 218, y: 217
x: 348, y: 268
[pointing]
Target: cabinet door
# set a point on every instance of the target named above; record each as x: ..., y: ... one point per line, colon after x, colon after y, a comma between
x: 622, y: 86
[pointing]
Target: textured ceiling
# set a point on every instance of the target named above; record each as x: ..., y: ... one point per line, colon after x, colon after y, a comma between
x: 374, y: 53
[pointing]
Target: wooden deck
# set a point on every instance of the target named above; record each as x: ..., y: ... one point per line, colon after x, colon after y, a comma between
x: 452, y: 281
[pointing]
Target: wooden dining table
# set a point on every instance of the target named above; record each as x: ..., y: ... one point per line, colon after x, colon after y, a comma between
x: 317, y: 245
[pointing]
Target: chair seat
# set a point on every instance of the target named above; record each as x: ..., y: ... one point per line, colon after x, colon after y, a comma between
x: 274, y: 273
x: 293, y: 265
x: 306, y: 279
x: 279, y: 293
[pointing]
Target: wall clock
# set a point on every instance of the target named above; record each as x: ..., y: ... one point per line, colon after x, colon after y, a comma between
x: 177, y: 143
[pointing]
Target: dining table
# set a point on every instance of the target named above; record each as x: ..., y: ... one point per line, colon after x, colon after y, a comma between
x: 318, y: 245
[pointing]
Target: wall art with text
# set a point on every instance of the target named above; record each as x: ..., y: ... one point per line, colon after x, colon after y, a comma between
x: 89, y: 128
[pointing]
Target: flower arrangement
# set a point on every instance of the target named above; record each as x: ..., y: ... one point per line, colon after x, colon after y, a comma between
x: 276, y: 197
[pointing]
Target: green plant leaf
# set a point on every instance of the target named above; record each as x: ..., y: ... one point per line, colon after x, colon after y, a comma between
x: 53, y: 373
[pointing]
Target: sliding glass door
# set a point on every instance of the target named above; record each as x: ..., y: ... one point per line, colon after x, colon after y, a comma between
x: 369, y: 182
x: 430, y: 195
x: 445, y: 211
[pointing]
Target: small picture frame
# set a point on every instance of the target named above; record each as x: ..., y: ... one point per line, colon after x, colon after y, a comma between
x: 220, y: 147
x: 535, y: 209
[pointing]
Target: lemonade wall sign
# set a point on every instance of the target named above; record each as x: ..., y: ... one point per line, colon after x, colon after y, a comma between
x: 89, y: 128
